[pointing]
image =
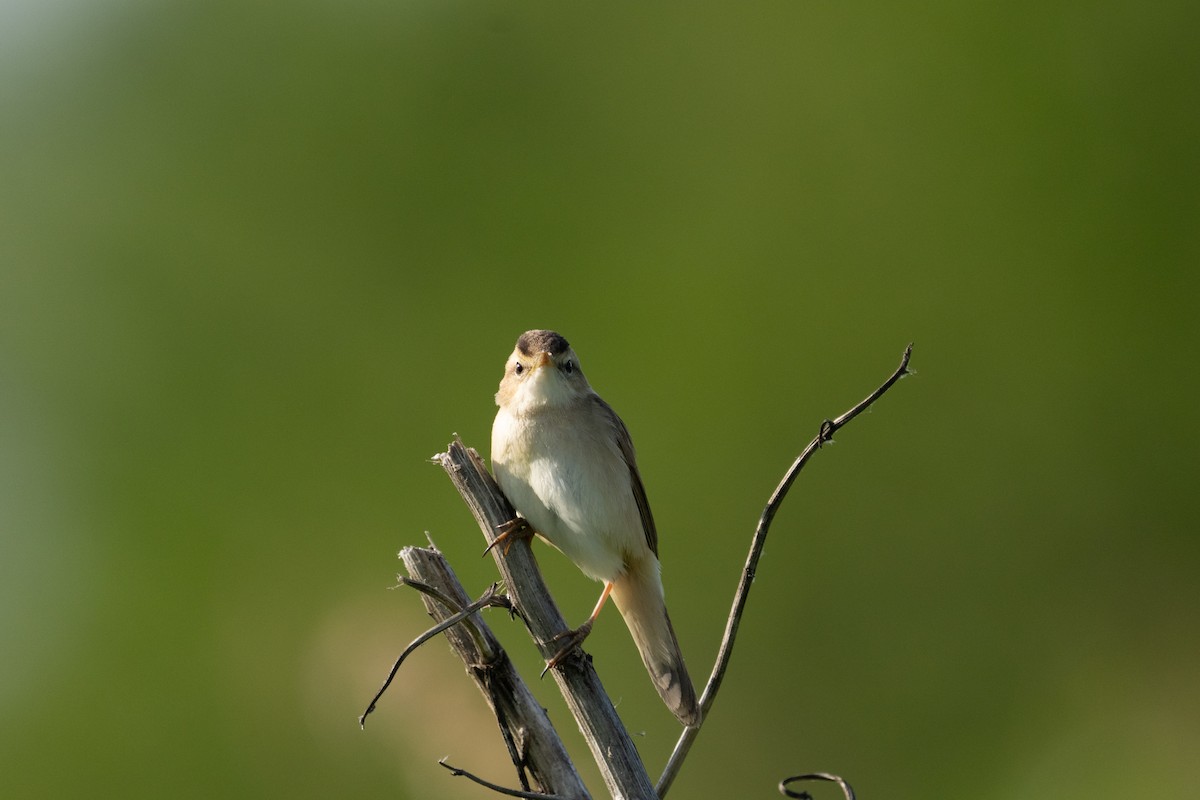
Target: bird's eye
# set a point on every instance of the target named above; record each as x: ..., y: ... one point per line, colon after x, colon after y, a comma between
x: 568, y: 366
x: 518, y: 368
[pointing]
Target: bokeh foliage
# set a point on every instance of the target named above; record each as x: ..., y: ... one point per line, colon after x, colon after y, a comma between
x: 258, y: 261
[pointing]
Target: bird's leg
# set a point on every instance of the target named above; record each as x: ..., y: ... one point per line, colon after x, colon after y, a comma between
x: 575, y: 638
x: 516, y: 528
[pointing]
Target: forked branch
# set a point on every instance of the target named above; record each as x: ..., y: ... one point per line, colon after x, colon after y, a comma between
x: 534, y: 746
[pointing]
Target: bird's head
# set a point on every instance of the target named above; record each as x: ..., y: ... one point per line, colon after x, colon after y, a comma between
x: 542, y: 371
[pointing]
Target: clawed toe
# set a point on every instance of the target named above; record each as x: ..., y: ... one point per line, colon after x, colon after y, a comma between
x: 572, y: 640
x: 516, y: 528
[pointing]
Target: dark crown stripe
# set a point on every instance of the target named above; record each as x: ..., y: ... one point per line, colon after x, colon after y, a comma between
x: 534, y: 342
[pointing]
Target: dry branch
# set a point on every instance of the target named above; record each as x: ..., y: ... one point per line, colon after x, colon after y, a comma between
x: 613, y: 750
x: 532, y: 741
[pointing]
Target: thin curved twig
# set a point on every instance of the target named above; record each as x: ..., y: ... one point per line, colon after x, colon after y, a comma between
x: 500, y: 601
x: 488, y: 598
x: 828, y: 429
x: 495, y: 787
x: 847, y: 791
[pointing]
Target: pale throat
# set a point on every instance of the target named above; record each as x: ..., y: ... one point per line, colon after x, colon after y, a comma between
x: 544, y: 392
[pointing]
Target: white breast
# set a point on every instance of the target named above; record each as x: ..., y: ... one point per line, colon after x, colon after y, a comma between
x: 566, y: 475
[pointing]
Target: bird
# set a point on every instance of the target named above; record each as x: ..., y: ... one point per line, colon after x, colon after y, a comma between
x: 566, y: 462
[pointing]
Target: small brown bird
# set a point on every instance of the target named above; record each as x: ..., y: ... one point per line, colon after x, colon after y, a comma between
x: 565, y: 460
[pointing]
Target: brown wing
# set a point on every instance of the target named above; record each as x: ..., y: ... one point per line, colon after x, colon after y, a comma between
x: 635, y: 479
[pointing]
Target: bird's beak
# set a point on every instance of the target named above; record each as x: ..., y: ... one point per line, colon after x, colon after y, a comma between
x: 544, y: 359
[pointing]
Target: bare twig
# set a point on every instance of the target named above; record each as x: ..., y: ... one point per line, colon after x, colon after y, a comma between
x: 455, y: 771
x: 828, y: 429
x: 847, y: 791
x: 489, y: 598
x: 486, y: 652
x: 614, y: 752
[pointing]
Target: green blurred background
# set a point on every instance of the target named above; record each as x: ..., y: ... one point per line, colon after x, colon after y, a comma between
x: 259, y: 261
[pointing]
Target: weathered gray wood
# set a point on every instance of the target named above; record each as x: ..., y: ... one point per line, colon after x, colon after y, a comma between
x: 619, y: 762
x: 523, y: 722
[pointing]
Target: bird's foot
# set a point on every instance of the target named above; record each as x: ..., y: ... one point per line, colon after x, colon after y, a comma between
x: 516, y: 528
x: 572, y: 641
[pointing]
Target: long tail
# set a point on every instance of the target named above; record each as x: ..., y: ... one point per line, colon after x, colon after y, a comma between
x: 638, y: 594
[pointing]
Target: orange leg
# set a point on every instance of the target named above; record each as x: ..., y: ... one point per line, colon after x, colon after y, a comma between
x: 600, y: 604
